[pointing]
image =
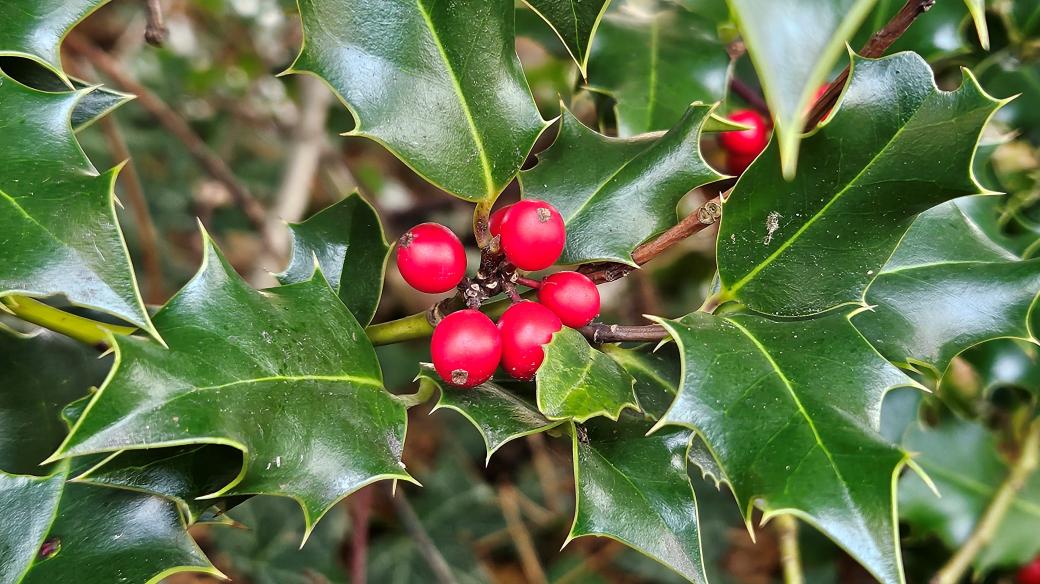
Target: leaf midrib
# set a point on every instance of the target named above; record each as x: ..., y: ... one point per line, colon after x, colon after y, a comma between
x: 485, y: 163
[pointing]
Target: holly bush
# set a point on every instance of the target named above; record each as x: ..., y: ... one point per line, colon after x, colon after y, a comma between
x: 853, y: 354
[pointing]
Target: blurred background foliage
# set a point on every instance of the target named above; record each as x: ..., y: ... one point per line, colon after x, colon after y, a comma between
x: 218, y: 72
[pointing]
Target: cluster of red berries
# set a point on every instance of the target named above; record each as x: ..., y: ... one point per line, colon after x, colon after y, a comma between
x: 467, y: 346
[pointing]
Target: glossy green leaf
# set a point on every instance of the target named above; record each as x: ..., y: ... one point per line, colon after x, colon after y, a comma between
x: 34, y: 30
x: 961, y: 458
x: 1000, y: 363
x: 181, y: 474
x: 27, y: 505
x: 920, y: 315
x: 895, y: 147
x: 61, y: 235
x: 1008, y: 76
x: 655, y: 64
x: 111, y: 535
x: 793, y: 47
x: 575, y: 22
x: 348, y: 241
x: 656, y: 371
x: 791, y: 412
x: 39, y: 375
x: 977, y: 8
x: 438, y: 83
x: 499, y: 414
x: 615, y: 193
x: 93, y: 105
x: 634, y: 488
x: 578, y: 382
x: 287, y: 376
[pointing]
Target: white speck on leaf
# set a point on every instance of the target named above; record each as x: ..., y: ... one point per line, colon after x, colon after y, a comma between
x: 772, y: 224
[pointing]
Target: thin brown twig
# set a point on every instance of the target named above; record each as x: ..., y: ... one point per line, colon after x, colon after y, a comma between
x: 546, y: 471
x: 592, y: 562
x: 879, y: 42
x: 361, y: 508
x: 708, y: 214
x: 598, y: 332
x: 529, y: 562
x: 180, y: 129
x: 155, y: 31
x: 748, y: 94
x: 434, y: 559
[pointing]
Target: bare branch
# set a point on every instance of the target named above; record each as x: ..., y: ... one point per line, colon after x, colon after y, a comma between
x: 155, y: 31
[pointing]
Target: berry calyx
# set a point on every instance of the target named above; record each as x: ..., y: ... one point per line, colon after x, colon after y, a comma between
x: 532, y: 234
x: 573, y: 297
x: 1029, y: 573
x: 466, y: 348
x: 525, y: 327
x: 495, y: 221
x: 431, y: 258
x: 750, y: 141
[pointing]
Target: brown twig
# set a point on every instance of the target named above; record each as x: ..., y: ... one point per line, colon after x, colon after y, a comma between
x: 592, y: 563
x: 748, y: 94
x: 529, y: 562
x: 166, y: 116
x: 545, y: 470
x: 879, y: 42
x: 708, y: 214
x: 598, y: 332
x: 361, y: 508
x: 434, y: 559
x: 155, y: 31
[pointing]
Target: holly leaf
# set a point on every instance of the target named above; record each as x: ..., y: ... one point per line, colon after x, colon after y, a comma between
x: 654, y: 64
x: 500, y: 415
x: 656, y: 372
x: 181, y: 474
x: 977, y: 9
x: 791, y: 412
x: 615, y: 193
x: 962, y: 459
x: 286, y: 376
x: 793, y: 60
x: 802, y: 247
x: 575, y: 22
x: 447, y: 96
x: 919, y: 316
x: 35, y: 30
x: 57, y: 210
x: 578, y: 382
x: 39, y: 374
x: 348, y: 241
x: 998, y: 363
x: 634, y: 488
x: 27, y: 505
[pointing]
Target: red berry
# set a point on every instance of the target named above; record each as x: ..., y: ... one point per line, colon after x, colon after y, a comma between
x: 495, y: 222
x: 750, y: 141
x: 525, y: 327
x: 571, y: 296
x: 1030, y: 573
x: 430, y: 258
x: 466, y: 347
x: 737, y: 163
x: 533, y: 235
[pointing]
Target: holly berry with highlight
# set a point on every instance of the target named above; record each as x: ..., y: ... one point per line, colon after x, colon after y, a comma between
x: 1029, y: 573
x: 431, y: 258
x: 532, y: 234
x: 466, y: 348
x: 525, y: 327
x: 495, y: 221
x: 572, y: 297
x: 750, y: 141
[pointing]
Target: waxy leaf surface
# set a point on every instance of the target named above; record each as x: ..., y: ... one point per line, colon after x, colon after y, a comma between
x: 499, y: 414
x: 615, y: 193
x: 35, y: 30
x: 574, y: 21
x: 946, y: 288
x: 287, y: 376
x: 438, y: 83
x: 60, y: 232
x: 348, y: 241
x: 656, y: 373
x: 576, y: 381
x: 896, y: 146
x: 793, y: 47
x: 634, y: 488
x: 962, y: 460
x: 791, y: 412
x: 655, y: 65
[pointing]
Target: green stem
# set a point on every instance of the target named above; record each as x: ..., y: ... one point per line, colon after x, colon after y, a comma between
x: 1026, y: 465
x: 790, y: 557
x: 417, y: 326
x: 79, y: 328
